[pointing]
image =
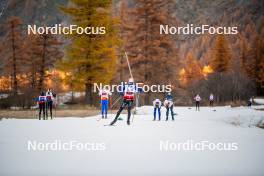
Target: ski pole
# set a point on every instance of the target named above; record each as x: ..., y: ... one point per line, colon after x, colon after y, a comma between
x: 54, y: 110
x: 128, y: 64
x: 133, y: 115
x: 116, y: 100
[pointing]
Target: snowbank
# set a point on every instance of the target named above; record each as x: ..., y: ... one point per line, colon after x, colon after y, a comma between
x: 239, y: 116
x: 259, y: 101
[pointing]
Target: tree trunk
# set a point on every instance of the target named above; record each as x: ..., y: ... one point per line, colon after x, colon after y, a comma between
x: 33, y: 75
x: 42, y: 66
x: 88, y: 94
x: 146, y: 40
x: 15, y: 86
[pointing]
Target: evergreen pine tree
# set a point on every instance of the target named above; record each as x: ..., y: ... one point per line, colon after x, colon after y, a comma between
x: 91, y: 58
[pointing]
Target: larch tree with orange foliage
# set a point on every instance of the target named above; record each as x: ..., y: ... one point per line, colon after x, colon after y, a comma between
x: 43, y: 53
x: 153, y: 57
x: 255, y: 64
x: 221, y: 55
x: 193, y: 70
x: 12, y: 52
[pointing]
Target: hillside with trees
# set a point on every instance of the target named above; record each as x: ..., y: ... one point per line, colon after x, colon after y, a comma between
x: 230, y: 66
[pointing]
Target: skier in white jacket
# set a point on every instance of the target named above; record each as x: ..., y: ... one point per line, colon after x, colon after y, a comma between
x: 157, y: 106
x: 211, y: 100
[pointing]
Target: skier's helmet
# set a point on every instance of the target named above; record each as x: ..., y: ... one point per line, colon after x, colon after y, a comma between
x: 42, y: 93
x: 130, y: 81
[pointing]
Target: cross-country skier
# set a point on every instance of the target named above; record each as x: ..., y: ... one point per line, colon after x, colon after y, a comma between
x: 168, y: 103
x: 211, y: 100
x: 42, y: 105
x: 250, y: 101
x: 197, y: 99
x: 157, y: 106
x: 105, y: 95
x: 169, y: 97
x: 50, y: 98
x: 128, y: 92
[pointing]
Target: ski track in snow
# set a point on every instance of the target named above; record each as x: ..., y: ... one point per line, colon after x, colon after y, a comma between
x: 135, y: 149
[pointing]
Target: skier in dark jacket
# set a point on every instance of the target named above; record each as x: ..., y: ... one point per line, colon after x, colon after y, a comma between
x: 42, y: 105
x: 128, y: 92
x: 168, y: 103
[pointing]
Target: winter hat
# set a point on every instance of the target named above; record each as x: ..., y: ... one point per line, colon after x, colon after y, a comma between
x: 130, y: 80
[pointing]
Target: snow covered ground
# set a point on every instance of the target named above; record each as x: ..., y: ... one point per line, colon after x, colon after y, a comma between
x: 136, y: 149
x: 259, y: 101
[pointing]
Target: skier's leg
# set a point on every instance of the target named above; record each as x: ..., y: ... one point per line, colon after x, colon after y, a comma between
x: 106, y: 108
x: 172, y: 113
x: 40, y: 109
x: 129, y: 106
x: 167, y: 113
x: 155, y: 113
x: 51, y: 104
x: 44, y: 110
x: 103, y: 108
x: 159, y: 113
x: 47, y: 109
x: 118, y: 113
x: 198, y: 106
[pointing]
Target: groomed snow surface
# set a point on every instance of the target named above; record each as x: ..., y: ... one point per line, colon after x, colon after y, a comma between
x: 137, y: 149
